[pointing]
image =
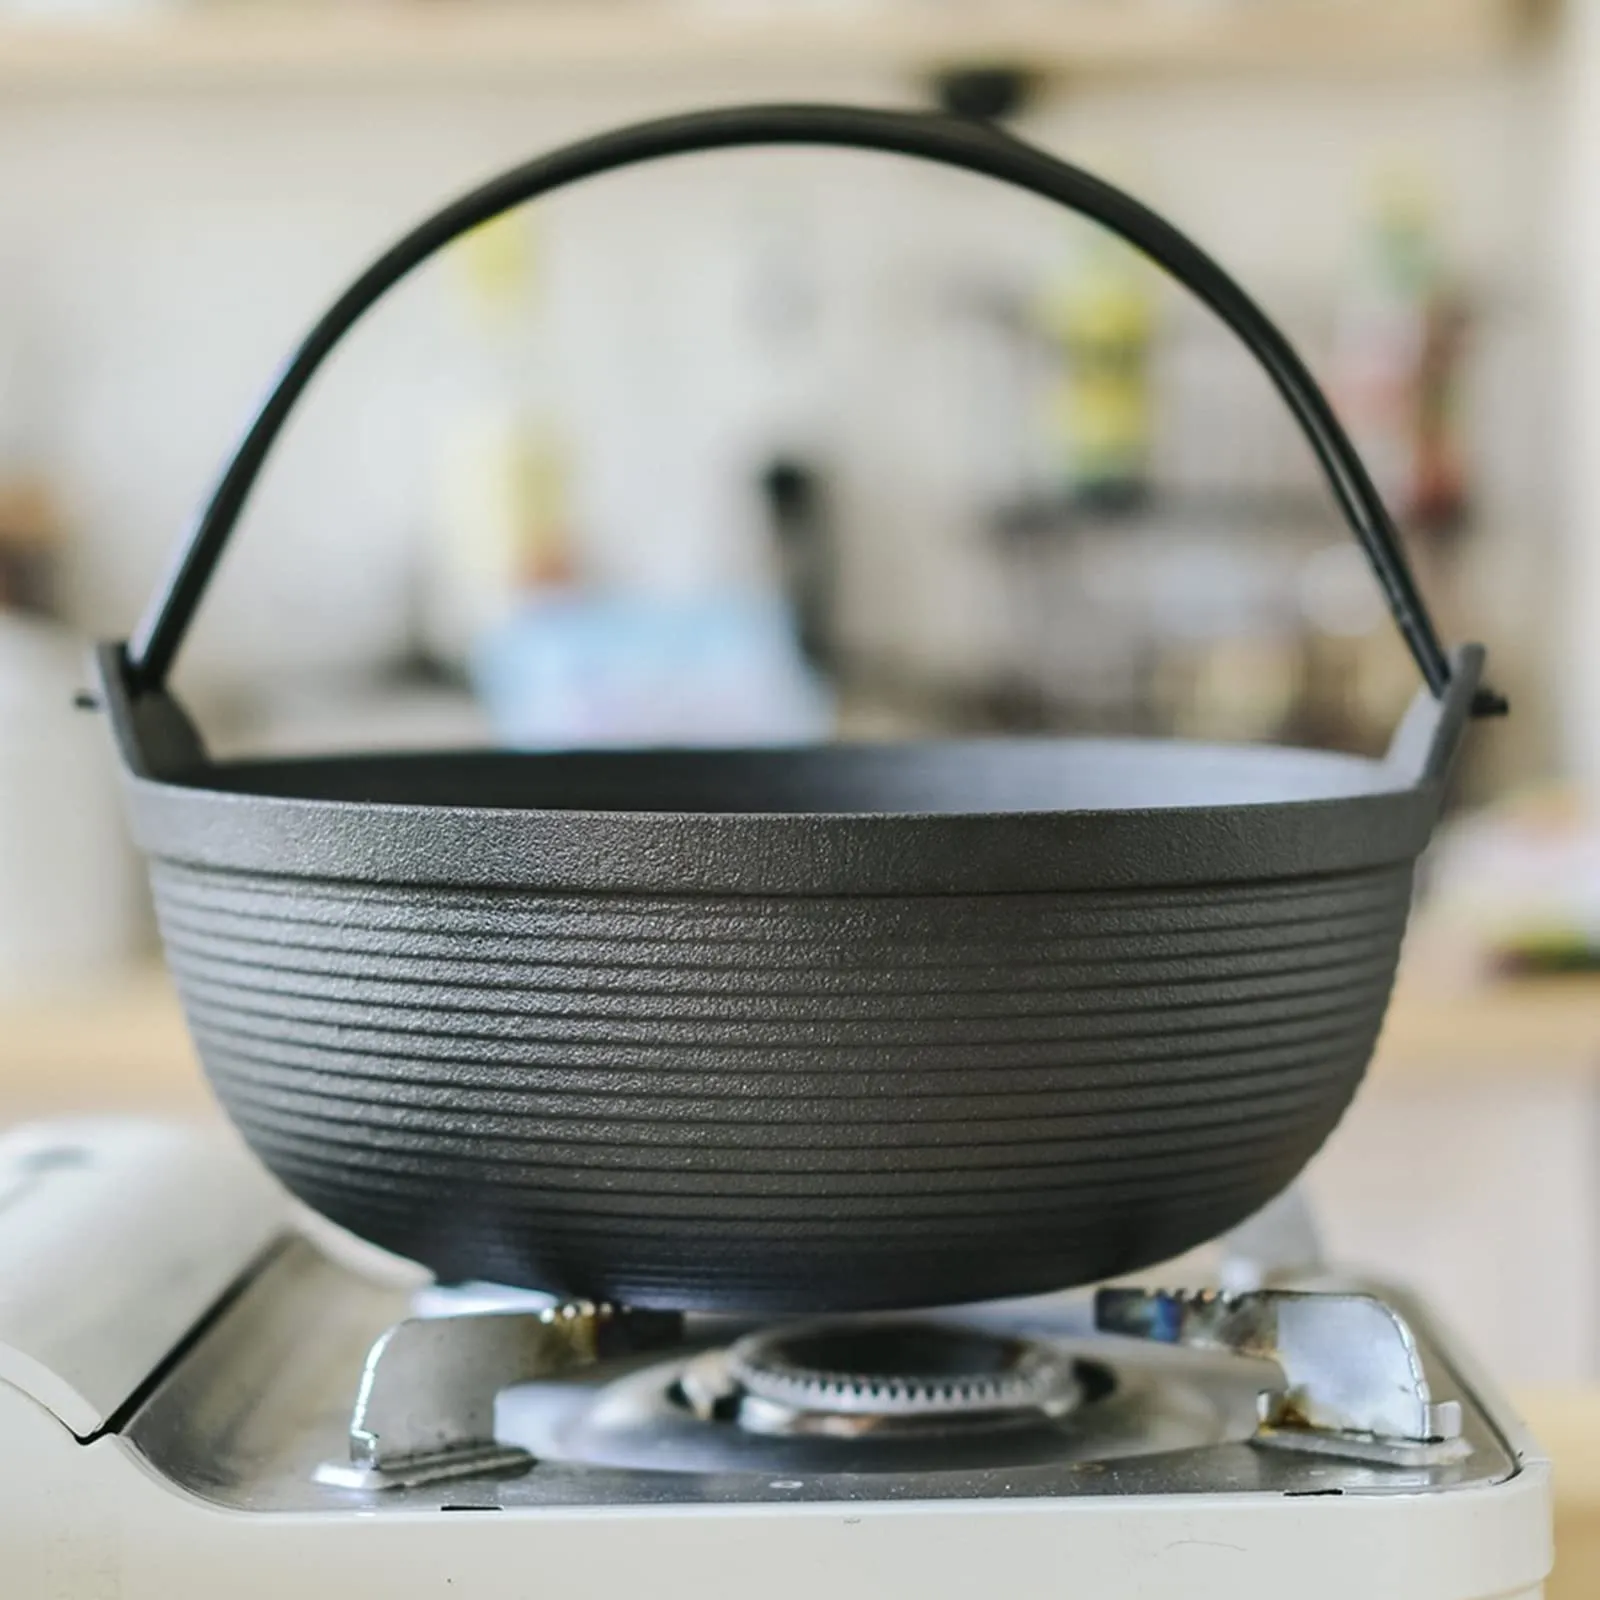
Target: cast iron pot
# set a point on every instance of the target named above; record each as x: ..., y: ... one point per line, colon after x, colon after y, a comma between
x: 835, y: 1028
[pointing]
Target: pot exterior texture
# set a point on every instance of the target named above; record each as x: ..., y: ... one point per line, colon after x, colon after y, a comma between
x: 784, y: 1102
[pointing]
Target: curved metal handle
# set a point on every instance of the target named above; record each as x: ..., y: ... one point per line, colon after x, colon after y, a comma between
x: 975, y: 147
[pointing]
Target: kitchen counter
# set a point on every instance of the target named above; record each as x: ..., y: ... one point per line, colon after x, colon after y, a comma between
x: 121, y: 1043
x: 1566, y: 1421
x: 116, y: 1045
x: 1551, y: 1024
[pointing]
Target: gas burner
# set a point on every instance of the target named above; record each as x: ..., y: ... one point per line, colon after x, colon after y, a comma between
x: 496, y: 1391
x: 852, y: 1378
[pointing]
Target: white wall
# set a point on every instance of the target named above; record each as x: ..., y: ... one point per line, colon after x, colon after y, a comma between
x: 160, y: 253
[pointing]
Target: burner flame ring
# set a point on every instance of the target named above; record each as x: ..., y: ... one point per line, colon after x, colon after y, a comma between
x: 903, y: 1370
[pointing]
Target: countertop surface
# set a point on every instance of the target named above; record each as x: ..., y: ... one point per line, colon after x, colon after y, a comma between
x: 1566, y: 1421
x: 121, y: 1042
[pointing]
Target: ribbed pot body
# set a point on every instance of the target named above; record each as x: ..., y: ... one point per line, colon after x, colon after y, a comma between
x: 784, y: 1101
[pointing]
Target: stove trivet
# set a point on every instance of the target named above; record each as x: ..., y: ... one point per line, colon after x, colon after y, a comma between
x: 857, y: 1376
x: 1350, y: 1380
x: 1353, y: 1382
x: 424, y: 1412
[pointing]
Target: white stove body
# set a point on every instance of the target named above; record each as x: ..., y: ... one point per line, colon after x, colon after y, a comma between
x: 134, y: 1259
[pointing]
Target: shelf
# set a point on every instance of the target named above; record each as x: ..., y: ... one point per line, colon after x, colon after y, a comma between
x: 439, y: 40
x: 1050, y: 523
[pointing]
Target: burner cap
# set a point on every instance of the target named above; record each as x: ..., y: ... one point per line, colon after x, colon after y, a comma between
x: 906, y: 1371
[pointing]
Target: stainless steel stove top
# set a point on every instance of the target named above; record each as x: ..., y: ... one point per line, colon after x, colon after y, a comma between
x: 264, y: 1399
x: 195, y: 1397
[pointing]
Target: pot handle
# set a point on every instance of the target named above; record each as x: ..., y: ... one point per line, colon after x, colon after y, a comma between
x: 1425, y: 743
x: 973, y: 146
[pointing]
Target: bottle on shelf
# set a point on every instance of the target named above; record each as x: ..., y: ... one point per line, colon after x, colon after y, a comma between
x: 1399, y: 342
x: 1100, y: 311
x: 503, y: 526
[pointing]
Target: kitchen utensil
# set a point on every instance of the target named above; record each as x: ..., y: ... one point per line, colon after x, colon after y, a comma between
x: 828, y: 1028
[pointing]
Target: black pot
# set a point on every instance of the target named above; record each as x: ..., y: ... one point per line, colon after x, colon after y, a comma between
x: 837, y: 1028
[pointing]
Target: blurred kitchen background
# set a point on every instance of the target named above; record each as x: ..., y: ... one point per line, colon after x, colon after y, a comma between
x: 796, y: 445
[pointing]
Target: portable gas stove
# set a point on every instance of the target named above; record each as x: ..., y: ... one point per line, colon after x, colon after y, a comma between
x: 197, y: 1398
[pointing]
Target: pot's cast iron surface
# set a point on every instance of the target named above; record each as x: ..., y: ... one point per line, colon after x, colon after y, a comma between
x: 821, y: 1029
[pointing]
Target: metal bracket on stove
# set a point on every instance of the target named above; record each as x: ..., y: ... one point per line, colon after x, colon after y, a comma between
x: 425, y: 1410
x: 1353, y: 1383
